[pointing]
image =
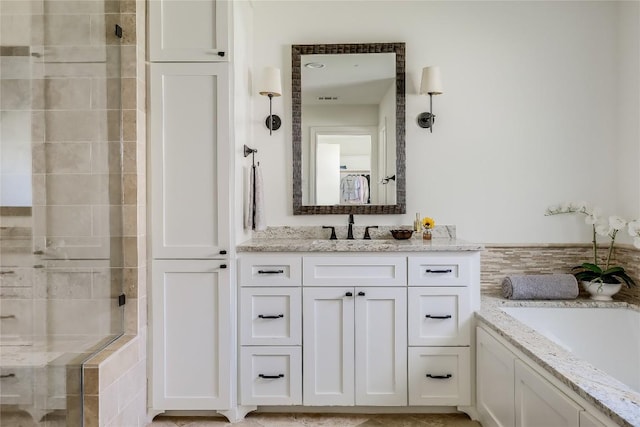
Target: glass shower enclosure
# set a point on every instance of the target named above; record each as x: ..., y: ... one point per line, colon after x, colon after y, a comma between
x: 61, y: 253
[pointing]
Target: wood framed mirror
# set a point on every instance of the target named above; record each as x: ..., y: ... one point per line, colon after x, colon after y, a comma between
x: 348, y: 107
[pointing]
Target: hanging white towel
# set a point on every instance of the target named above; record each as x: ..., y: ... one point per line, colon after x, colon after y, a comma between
x: 254, y: 218
x: 259, y: 220
x: 248, y: 200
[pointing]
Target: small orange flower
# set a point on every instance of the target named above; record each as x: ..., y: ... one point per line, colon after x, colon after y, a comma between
x: 428, y: 223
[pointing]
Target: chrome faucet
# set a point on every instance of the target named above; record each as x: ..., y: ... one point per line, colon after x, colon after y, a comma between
x: 350, y: 230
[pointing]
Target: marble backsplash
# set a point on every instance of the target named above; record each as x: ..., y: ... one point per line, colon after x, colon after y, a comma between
x: 499, y: 261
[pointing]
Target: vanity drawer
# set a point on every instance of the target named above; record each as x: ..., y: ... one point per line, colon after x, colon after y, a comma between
x: 440, y: 270
x: 439, y: 316
x: 355, y: 271
x: 271, y: 376
x: 270, y: 271
x: 271, y: 316
x: 439, y: 376
x: 16, y: 386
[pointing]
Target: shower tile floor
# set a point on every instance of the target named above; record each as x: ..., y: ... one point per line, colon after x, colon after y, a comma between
x: 323, y: 420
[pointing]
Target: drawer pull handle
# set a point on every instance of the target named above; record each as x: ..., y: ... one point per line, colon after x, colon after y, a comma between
x: 8, y: 272
x: 7, y: 376
x: 439, y: 377
x: 431, y: 316
x: 271, y: 377
x: 8, y: 316
x: 348, y: 294
x: 361, y: 294
x: 448, y: 270
x: 270, y: 271
x: 268, y: 316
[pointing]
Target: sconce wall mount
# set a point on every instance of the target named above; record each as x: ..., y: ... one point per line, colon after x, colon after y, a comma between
x: 271, y: 86
x: 431, y: 84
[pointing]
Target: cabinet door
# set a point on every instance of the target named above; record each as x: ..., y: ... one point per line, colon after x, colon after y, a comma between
x: 191, y: 335
x: 188, y: 30
x: 381, y: 346
x: 495, y: 382
x: 540, y: 404
x: 328, y: 355
x: 189, y: 192
x: 439, y: 316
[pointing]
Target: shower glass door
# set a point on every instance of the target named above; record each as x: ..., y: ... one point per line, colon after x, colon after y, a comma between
x: 61, y: 252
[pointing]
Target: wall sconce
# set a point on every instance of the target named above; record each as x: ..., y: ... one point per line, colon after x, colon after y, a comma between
x: 271, y: 86
x: 431, y: 85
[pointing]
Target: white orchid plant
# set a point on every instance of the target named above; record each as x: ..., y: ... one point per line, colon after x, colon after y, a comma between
x: 594, y: 272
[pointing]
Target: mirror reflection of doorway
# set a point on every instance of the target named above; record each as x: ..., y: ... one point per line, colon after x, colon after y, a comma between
x: 345, y: 166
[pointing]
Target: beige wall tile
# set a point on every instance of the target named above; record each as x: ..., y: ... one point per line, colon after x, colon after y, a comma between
x: 90, y: 377
x: 16, y: 94
x: 91, y: 410
x: 66, y: 30
x: 69, y: 284
x: 15, y: 30
x: 67, y: 221
x: 77, y: 189
x: 67, y: 94
x: 69, y: 126
x: 118, y: 363
x: 68, y: 157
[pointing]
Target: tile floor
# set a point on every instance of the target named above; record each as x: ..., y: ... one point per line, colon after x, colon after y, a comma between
x: 324, y: 420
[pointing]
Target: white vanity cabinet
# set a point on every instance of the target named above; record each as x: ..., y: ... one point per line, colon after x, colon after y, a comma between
x: 377, y: 329
x: 188, y: 30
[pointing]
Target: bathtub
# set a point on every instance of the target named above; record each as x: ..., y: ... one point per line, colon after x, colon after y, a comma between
x: 607, y: 338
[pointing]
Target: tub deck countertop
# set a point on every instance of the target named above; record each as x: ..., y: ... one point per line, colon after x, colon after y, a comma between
x: 610, y: 396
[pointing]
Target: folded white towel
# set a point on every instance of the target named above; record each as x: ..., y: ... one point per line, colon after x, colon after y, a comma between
x: 540, y: 286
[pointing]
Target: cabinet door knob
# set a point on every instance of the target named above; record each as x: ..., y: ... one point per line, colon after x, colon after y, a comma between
x: 221, y: 54
x: 431, y: 316
x: 223, y: 252
x: 348, y: 294
x: 360, y: 294
x: 271, y: 376
x: 223, y: 265
x: 439, y: 377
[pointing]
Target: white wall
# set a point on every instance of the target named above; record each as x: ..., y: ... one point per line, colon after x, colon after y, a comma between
x: 529, y: 116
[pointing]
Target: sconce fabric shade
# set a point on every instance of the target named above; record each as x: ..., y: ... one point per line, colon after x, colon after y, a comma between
x: 431, y: 82
x: 271, y: 84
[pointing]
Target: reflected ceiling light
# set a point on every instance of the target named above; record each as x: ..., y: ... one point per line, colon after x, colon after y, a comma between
x: 271, y: 86
x: 431, y: 84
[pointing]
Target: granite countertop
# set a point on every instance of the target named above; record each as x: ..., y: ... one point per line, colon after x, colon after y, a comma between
x: 316, y: 239
x: 382, y: 245
x: 609, y: 395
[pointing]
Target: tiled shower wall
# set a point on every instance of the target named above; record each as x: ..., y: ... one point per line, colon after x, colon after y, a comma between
x: 499, y: 261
